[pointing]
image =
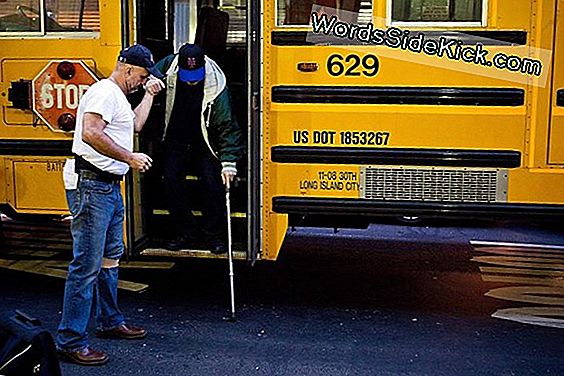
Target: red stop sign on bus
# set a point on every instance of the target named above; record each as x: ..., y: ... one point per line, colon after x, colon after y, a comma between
x: 57, y: 89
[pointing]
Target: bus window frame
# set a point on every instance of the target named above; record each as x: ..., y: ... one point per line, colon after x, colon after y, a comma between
x: 482, y: 23
x: 308, y: 26
x: 44, y: 33
x: 31, y: 33
x: 51, y: 35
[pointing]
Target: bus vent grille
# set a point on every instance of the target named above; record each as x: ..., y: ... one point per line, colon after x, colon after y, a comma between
x: 433, y: 184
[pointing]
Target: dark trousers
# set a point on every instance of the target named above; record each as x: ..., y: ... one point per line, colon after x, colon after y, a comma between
x: 181, y: 202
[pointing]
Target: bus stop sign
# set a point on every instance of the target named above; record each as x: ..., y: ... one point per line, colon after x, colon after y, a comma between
x: 56, y: 91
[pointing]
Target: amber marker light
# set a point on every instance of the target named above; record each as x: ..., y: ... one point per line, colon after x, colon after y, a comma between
x: 308, y: 67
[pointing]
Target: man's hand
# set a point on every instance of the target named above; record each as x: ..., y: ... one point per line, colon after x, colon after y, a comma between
x: 228, y: 172
x: 140, y: 161
x: 153, y: 86
x: 227, y: 178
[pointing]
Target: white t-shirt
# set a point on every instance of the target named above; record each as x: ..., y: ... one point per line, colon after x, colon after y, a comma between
x: 70, y: 178
x: 106, y: 99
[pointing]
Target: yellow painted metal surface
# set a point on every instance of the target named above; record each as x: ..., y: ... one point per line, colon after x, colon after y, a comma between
x: 535, y: 186
x: 556, y: 135
x: 316, y: 180
x: 25, y: 184
x: 469, y: 127
x: 516, y: 128
x: 35, y: 185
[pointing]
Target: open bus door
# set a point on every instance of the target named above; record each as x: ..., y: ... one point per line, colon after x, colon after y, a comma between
x: 153, y: 25
x: 291, y: 76
x: 254, y: 72
x: 164, y: 31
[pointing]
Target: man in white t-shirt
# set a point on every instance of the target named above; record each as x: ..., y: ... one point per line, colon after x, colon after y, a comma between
x: 103, y: 148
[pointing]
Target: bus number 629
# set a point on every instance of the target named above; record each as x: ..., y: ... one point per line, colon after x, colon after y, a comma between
x: 352, y: 65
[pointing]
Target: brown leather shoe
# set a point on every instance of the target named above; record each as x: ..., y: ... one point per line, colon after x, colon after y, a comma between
x: 85, y: 357
x: 124, y: 331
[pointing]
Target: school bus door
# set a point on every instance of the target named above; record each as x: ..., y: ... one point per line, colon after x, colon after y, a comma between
x: 290, y: 66
x: 254, y: 147
x: 155, y: 31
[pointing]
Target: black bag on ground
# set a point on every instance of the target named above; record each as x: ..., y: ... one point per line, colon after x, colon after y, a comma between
x: 25, y: 347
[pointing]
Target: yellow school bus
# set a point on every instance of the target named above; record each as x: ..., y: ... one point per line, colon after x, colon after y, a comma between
x: 354, y: 109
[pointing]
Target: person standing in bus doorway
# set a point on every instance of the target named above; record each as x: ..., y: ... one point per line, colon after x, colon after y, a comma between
x: 200, y: 127
x: 103, y: 148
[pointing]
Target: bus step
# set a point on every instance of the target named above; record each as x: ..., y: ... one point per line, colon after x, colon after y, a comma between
x: 198, y: 213
x: 163, y: 252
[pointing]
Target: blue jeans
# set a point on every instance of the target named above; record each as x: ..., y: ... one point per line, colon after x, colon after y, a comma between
x: 97, y: 232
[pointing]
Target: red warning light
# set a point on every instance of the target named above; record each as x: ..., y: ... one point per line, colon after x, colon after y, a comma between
x: 66, y: 70
x: 66, y: 122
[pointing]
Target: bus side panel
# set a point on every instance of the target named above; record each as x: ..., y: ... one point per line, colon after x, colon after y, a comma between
x: 412, y: 126
x: 536, y: 186
x: 27, y: 145
x: 556, y: 146
x: 273, y: 238
x: 37, y: 185
x: 323, y: 126
x: 544, y: 37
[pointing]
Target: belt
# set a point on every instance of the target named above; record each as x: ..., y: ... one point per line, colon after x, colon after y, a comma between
x: 106, y: 177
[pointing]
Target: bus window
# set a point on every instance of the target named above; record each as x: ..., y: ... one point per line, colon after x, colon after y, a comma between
x: 437, y: 10
x: 18, y: 16
x: 237, y: 10
x: 297, y: 12
x: 73, y: 15
x: 15, y: 16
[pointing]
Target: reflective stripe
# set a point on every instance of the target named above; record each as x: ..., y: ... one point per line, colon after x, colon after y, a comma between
x: 109, y: 263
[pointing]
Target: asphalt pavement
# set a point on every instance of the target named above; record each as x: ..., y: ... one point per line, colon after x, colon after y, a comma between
x: 390, y: 300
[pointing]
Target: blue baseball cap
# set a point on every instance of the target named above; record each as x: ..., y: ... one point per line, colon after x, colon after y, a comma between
x: 140, y: 56
x: 191, y: 63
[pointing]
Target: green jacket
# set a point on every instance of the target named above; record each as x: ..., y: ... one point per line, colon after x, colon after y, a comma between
x: 219, y: 126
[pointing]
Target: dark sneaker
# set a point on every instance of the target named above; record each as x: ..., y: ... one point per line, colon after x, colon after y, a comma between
x: 85, y: 357
x: 124, y: 331
x: 181, y: 242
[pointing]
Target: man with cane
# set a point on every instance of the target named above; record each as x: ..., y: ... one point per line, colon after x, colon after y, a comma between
x: 200, y: 127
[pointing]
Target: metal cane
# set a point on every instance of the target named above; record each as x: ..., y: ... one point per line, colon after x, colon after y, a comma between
x: 230, y: 253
